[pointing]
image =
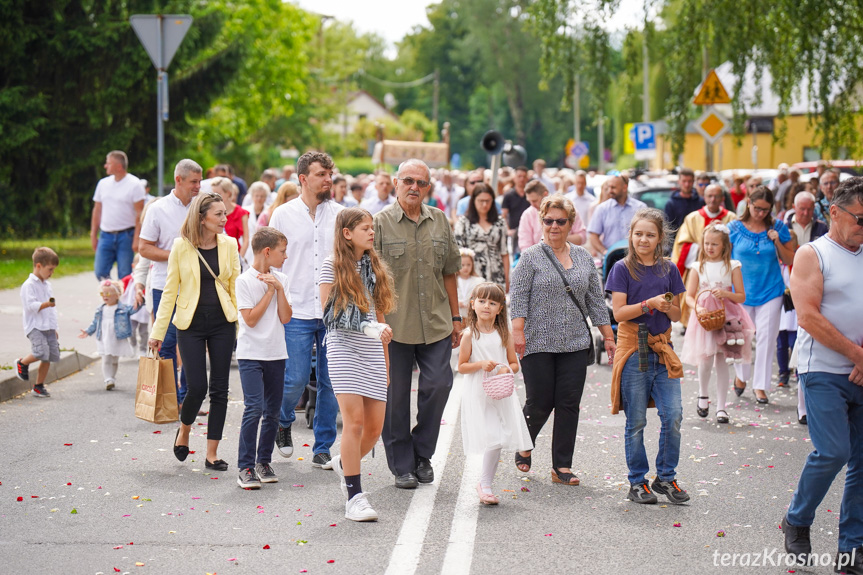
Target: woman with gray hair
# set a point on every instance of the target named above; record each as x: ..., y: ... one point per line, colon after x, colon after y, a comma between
x: 554, y: 289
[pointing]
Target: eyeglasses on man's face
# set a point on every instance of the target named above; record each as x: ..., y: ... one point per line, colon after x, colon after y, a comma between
x: 409, y: 182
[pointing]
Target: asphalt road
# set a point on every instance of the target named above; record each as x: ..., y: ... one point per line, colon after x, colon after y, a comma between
x: 87, y: 488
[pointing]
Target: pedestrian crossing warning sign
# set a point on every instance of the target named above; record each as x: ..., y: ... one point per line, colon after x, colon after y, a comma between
x: 712, y: 92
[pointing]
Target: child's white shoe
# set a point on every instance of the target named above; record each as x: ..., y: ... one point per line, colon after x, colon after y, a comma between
x: 358, y: 509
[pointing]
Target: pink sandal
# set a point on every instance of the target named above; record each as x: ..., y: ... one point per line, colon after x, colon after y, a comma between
x: 486, y: 498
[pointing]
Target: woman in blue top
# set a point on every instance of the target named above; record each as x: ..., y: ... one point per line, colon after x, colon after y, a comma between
x: 759, y: 242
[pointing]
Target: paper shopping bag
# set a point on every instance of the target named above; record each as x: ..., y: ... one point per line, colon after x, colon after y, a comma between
x: 156, y: 396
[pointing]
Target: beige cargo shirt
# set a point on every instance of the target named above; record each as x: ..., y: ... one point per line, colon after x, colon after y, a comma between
x: 418, y: 254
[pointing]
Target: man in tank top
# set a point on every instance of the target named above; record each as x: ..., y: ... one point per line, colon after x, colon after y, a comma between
x: 825, y: 284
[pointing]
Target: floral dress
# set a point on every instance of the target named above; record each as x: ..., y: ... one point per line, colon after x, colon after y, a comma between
x: 489, y: 247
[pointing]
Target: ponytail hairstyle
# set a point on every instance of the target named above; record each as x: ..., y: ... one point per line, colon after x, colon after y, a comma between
x: 631, y: 261
x: 720, y: 230
x: 492, y: 291
x: 348, y: 286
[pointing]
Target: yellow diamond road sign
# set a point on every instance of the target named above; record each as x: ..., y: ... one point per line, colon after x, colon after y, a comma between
x: 712, y: 125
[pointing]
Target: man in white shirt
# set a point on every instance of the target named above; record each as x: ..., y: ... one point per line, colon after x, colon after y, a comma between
x: 161, y: 227
x: 116, y: 218
x: 309, y: 224
x: 449, y: 192
x: 383, y: 187
x: 581, y: 197
x: 539, y: 174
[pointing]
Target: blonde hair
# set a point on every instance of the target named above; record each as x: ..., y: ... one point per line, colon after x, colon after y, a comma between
x: 722, y: 231
x: 201, y: 204
x: 492, y: 291
x: 286, y: 193
x: 469, y: 253
x: 557, y: 201
x: 348, y: 285
x: 631, y: 261
x: 112, y: 284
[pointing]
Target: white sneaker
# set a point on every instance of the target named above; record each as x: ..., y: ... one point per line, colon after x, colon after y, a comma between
x: 358, y: 509
x: 337, y: 467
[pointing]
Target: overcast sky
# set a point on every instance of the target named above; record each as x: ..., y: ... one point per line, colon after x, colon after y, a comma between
x: 392, y: 19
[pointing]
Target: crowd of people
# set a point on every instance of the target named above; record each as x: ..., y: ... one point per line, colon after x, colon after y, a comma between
x: 370, y: 277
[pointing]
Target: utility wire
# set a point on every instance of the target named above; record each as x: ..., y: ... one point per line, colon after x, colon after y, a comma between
x: 389, y: 84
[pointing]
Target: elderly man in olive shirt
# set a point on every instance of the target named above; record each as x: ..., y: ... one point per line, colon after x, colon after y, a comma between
x: 418, y: 246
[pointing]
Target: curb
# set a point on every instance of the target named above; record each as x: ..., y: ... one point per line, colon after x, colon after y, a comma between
x: 70, y: 362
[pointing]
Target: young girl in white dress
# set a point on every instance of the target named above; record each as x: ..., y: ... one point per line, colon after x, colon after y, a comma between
x: 714, y: 272
x: 113, y: 327
x: 468, y: 278
x: 487, y: 347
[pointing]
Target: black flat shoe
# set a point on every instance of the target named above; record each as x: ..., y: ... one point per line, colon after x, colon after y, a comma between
x: 721, y: 416
x: 801, y: 419
x: 218, y: 465
x: 181, y: 452
x: 702, y: 412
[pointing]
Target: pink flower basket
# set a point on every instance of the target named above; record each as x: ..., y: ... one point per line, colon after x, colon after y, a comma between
x: 498, y: 386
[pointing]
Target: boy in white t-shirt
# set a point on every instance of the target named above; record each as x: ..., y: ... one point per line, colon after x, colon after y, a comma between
x: 40, y: 320
x: 264, y: 304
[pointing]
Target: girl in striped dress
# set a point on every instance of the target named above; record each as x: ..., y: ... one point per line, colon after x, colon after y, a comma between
x: 358, y: 291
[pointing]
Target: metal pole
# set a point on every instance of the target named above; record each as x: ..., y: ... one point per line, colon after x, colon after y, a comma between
x: 495, y: 166
x: 160, y: 125
x: 576, y: 107
x: 645, y: 84
x: 601, y: 127
x: 708, y: 147
x: 436, y: 98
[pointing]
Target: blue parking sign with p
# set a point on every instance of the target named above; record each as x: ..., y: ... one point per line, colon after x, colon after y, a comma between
x: 645, y: 136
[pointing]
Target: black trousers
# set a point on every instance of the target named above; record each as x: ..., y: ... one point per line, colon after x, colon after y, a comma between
x: 401, y: 443
x: 555, y: 381
x: 209, y: 331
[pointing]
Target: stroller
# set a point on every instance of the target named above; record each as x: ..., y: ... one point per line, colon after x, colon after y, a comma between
x: 614, y: 254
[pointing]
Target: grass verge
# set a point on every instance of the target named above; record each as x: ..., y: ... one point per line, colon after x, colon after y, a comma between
x: 76, y: 256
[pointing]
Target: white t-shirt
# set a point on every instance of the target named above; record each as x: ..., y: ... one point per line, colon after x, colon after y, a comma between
x: 35, y: 292
x: 118, y: 202
x: 265, y: 341
x: 161, y: 225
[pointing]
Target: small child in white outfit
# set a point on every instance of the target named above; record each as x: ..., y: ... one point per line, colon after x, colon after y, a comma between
x: 112, y: 325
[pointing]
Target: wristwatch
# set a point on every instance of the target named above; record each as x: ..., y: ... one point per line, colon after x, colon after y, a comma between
x: 645, y: 309
x: 457, y: 318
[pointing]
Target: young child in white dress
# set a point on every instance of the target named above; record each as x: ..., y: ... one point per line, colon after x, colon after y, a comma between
x: 714, y: 274
x: 467, y: 279
x: 113, y: 328
x: 487, y: 349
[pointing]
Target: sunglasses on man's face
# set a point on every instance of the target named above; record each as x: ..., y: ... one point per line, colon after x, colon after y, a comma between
x: 475, y: 182
x: 859, y: 218
x: 409, y: 182
x: 551, y: 221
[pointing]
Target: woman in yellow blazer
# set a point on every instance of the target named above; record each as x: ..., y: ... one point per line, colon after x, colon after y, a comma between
x: 205, y: 317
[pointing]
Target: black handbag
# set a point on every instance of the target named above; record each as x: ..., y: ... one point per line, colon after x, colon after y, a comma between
x: 568, y: 289
x: 787, y: 302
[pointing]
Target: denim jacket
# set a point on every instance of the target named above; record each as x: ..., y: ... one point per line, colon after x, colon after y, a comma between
x: 122, y: 321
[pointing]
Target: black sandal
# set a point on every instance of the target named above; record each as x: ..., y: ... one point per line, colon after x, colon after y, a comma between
x: 181, y: 452
x: 702, y: 412
x: 522, y: 460
x: 565, y: 478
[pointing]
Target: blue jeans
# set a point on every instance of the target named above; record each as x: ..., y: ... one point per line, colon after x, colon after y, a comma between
x: 636, y: 389
x: 300, y: 336
x: 262, y: 382
x: 834, y: 408
x: 169, y: 346
x: 114, y: 247
x: 784, y: 344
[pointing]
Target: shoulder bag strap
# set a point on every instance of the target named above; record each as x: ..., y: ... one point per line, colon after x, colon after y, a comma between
x: 209, y: 269
x: 567, y: 287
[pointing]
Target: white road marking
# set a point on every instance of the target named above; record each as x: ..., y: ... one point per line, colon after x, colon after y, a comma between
x: 459, y: 550
x: 406, y: 553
